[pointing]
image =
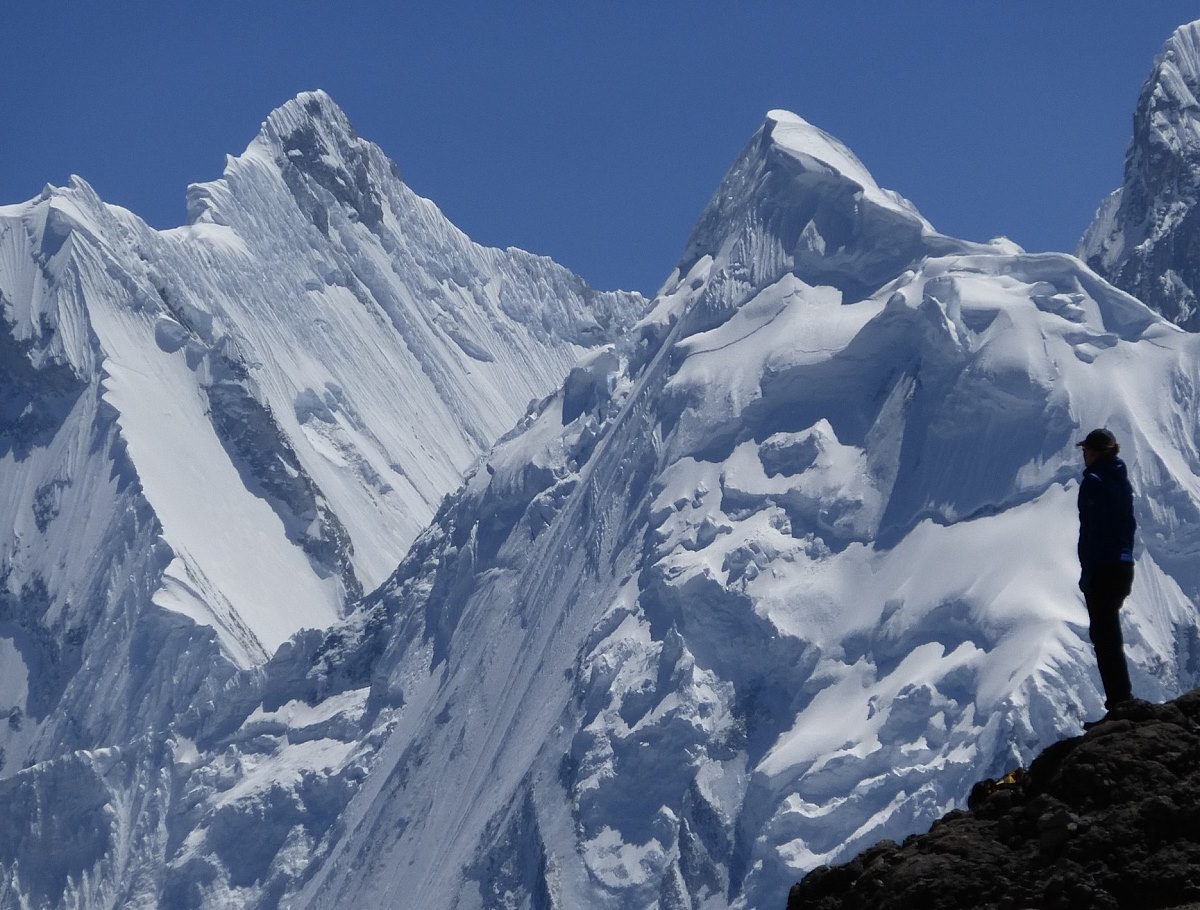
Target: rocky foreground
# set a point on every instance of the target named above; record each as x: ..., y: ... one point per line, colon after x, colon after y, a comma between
x: 1110, y: 819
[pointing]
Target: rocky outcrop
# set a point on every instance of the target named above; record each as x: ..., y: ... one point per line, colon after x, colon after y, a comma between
x: 1110, y: 819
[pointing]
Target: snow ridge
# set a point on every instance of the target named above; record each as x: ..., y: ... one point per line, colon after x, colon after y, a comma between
x: 810, y: 202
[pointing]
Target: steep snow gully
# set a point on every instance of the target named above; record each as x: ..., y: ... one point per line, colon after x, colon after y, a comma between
x: 769, y: 568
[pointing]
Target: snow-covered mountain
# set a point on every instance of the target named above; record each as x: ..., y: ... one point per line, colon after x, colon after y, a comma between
x: 214, y: 436
x: 780, y: 572
x: 1146, y: 236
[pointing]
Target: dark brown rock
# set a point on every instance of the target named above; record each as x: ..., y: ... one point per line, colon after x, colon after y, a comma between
x: 1110, y: 819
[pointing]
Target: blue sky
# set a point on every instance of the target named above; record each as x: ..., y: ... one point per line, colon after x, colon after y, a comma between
x: 593, y: 132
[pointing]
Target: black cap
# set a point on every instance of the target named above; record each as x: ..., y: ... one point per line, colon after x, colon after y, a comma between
x: 1100, y: 440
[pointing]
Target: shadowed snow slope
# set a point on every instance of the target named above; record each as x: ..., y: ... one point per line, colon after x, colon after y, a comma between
x: 214, y: 436
x: 1146, y: 236
x: 779, y: 573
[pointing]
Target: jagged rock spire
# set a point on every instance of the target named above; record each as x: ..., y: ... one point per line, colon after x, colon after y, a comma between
x: 1146, y: 236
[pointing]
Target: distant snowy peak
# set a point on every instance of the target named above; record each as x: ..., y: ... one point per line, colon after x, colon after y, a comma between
x: 320, y: 157
x: 816, y: 150
x: 1166, y: 121
x: 352, y: 196
x: 798, y: 200
x: 309, y: 287
x: 1144, y: 236
x: 470, y: 333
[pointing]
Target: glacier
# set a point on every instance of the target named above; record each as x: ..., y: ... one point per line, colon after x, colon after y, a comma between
x: 773, y: 569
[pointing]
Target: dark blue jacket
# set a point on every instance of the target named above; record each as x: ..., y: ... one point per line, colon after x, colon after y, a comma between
x: 1106, y: 523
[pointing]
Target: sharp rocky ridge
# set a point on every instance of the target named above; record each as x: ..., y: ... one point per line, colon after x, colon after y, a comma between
x: 1145, y: 237
x: 750, y: 591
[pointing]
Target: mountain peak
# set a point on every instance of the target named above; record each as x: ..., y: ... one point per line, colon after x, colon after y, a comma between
x: 322, y: 160
x: 1181, y: 54
x: 308, y: 111
x: 798, y: 200
x: 1165, y: 121
x: 815, y: 150
x: 1142, y: 236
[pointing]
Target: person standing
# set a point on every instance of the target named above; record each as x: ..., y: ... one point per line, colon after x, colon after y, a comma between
x: 1106, y: 530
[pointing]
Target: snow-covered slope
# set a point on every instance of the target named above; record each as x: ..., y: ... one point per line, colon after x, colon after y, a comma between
x: 779, y: 573
x: 1146, y: 235
x: 214, y: 436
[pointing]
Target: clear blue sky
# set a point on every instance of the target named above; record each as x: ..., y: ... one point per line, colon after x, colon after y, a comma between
x: 593, y: 132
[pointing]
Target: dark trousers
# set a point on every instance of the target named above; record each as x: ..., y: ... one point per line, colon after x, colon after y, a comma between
x: 1105, y: 592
